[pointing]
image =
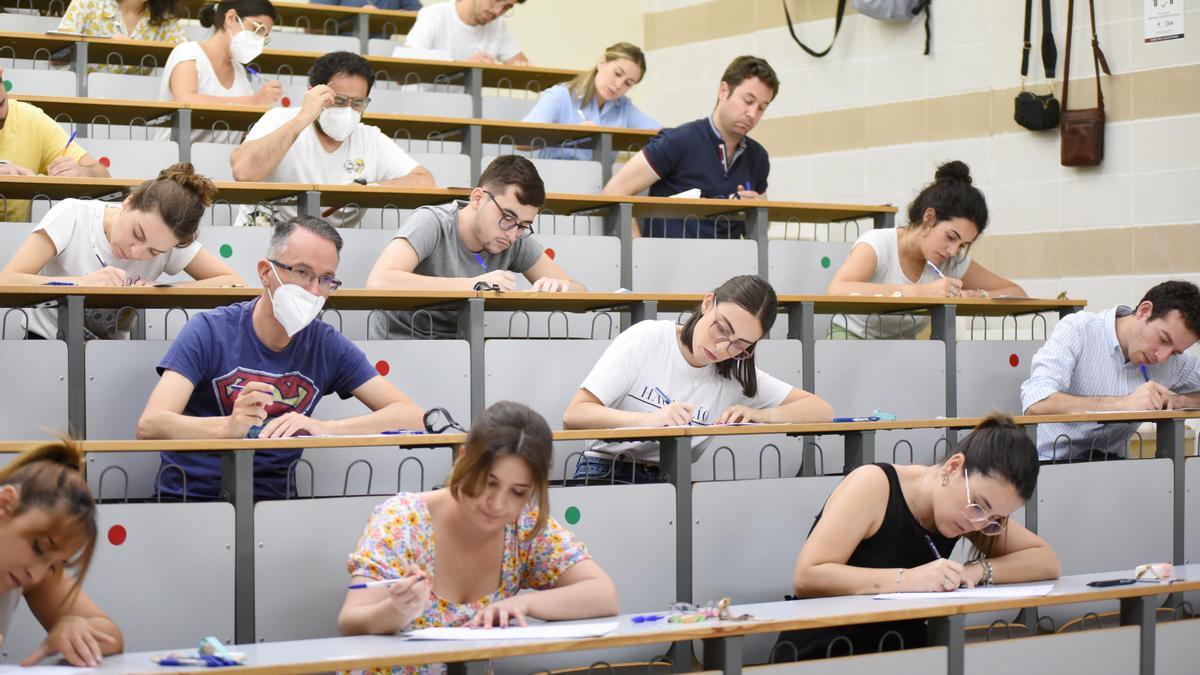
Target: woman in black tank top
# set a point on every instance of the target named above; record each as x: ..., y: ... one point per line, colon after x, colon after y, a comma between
x: 877, y: 528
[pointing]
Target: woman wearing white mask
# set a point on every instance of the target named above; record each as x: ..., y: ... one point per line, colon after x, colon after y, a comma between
x: 260, y: 368
x: 214, y: 71
x: 324, y: 142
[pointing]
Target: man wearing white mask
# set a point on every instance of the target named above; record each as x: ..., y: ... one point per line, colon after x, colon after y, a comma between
x: 324, y: 142
x: 258, y: 369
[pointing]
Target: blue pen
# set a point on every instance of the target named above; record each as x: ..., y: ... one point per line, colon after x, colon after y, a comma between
x: 1145, y: 373
x: 936, y: 554
x: 747, y: 186
x: 647, y: 618
x: 60, y: 283
x: 401, y: 432
x: 252, y: 71
x: 856, y: 419
x: 482, y: 264
x: 70, y: 141
x: 935, y: 269
x: 664, y: 396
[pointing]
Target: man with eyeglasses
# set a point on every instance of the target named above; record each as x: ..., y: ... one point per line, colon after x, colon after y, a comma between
x: 258, y: 369
x: 468, y: 30
x: 323, y: 142
x: 465, y: 244
x: 1120, y: 359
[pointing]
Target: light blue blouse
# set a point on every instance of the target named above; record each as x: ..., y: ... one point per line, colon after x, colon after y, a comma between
x: 557, y: 106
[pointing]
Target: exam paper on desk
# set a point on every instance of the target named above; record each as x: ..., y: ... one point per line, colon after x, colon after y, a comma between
x: 535, y: 632
x: 979, y: 592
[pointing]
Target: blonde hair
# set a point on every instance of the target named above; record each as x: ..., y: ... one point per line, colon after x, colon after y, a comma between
x: 506, y: 428
x: 583, y: 87
x: 50, y: 477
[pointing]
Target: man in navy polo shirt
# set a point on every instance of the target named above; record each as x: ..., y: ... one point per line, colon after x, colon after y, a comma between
x: 712, y: 154
x: 258, y: 369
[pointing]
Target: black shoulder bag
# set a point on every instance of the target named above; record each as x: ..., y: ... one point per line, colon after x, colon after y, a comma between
x: 1038, y: 112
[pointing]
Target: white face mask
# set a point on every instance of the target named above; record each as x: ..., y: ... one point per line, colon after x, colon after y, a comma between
x: 293, y: 306
x: 339, y: 123
x: 246, y: 46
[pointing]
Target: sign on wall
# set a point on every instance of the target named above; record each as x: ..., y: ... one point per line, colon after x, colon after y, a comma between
x: 1164, y: 20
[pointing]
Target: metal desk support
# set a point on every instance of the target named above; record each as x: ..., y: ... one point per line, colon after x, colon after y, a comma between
x: 604, y: 153
x: 308, y: 203
x: 183, y: 133
x: 802, y: 325
x: 81, y: 68
x: 882, y: 220
x: 473, y: 80
x: 1170, y: 444
x: 70, y: 325
x: 1140, y: 612
x: 724, y: 654
x: 470, y: 325
x: 757, y: 225
x: 473, y: 145
x: 676, y: 457
x: 237, y: 486
x: 467, y: 668
x: 943, y: 328
x: 859, y: 449
x: 950, y: 632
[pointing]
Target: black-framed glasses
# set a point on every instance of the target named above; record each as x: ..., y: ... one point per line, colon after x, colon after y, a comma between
x: 438, y: 420
x: 738, y: 349
x: 359, y: 104
x: 485, y: 286
x: 326, y: 282
x: 509, y: 220
x: 978, y: 516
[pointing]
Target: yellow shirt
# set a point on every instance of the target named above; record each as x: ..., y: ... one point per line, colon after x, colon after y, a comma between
x: 103, y: 18
x: 30, y: 138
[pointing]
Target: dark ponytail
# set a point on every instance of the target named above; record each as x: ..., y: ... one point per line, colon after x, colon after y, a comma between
x: 213, y: 15
x: 162, y: 11
x: 753, y: 294
x: 951, y: 195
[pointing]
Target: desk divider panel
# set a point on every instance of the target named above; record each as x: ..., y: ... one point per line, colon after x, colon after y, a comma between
x: 804, y: 268
x: 212, y: 160
x: 448, y: 169
x: 1191, y: 533
x: 163, y: 572
x: 120, y: 376
x: 40, y: 82
x: 1101, y: 516
x: 408, y: 101
x: 595, y: 262
x: 570, y: 176
x: 544, y: 375
x: 690, y: 265
x: 510, y: 108
x: 361, y: 247
x: 990, y: 373
x: 433, y: 373
x: 123, y: 86
x: 1176, y: 648
x: 629, y: 531
x: 1112, y: 651
x: 924, y: 661
x: 136, y: 158
x: 304, y: 544
x: 745, y: 540
x: 903, y: 377
x: 34, y: 398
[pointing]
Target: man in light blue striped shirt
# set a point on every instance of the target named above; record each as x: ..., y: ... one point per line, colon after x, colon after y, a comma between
x: 1093, y: 361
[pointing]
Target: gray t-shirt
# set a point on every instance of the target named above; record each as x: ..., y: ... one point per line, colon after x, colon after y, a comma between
x: 432, y: 231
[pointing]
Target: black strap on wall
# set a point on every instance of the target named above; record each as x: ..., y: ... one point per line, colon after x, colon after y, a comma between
x: 1049, y: 50
x: 837, y: 26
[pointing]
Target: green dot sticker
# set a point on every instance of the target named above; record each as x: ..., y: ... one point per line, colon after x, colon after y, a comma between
x: 226, y: 250
x: 8, y: 85
x: 572, y: 515
x: 825, y: 262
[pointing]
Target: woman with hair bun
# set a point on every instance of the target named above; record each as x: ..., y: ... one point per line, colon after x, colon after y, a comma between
x: 926, y: 259
x: 47, y: 527
x: 91, y: 243
x: 890, y: 529
x: 214, y: 71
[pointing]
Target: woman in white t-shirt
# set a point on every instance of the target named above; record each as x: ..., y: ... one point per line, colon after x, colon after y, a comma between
x: 47, y: 526
x: 658, y: 373
x: 926, y: 259
x: 214, y: 72
x: 91, y: 243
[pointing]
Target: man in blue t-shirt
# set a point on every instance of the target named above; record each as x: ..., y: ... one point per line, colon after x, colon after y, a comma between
x: 711, y: 154
x: 259, y: 368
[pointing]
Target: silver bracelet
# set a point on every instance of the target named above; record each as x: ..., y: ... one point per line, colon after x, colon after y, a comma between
x: 986, y: 579
x: 898, y: 573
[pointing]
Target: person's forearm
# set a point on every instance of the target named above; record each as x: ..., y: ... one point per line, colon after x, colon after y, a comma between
x: 800, y: 411
x: 830, y: 579
x: 163, y: 425
x: 414, y: 179
x: 96, y: 170
x: 396, y: 279
x: 255, y: 160
x: 205, y: 99
x: 25, y: 279
x: 1031, y: 564
x: 595, y: 416
x: 109, y: 628
x: 1191, y: 400
x: 223, y: 280
x: 1059, y: 403
x: 576, y: 287
x: 375, y: 619
x: 399, y: 415
x: 1011, y: 290
x: 581, y: 600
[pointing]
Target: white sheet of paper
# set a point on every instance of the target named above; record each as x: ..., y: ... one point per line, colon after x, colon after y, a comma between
x: 979, y: 592
x: 694, y: 193
x: 45, y: 670
x: 535, y: 632
x: 403, y: 52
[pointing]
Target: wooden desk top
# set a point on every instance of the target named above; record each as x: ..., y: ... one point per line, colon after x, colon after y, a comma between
x: 364, y: 652
x: 206, y: 298
x: 416, y: 127
x: 859, y: 304
x: 270, y: 61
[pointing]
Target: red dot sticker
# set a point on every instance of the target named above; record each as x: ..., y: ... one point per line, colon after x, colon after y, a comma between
x: 116, y: 535
x: 550, y: 253
x: 105, y: 162
x: 1014, y: 360
x: 383, y: 368
x: 287, y: 102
